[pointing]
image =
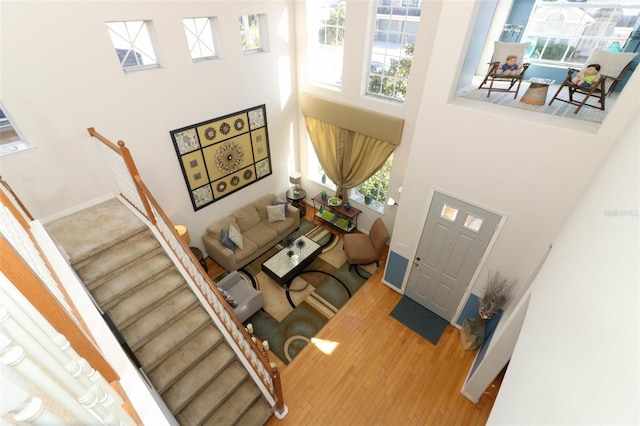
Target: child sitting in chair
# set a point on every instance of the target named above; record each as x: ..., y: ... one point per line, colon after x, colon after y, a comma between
x: 588, y: 77
x: 511, y: 66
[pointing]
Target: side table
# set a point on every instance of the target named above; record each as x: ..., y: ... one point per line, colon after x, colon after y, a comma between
x: 297, y: 200
x: 199, y: 257
x: 536, y: 94
x: 338, y: 216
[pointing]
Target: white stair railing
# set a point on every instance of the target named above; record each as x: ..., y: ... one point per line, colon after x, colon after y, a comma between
x: 31, y: 347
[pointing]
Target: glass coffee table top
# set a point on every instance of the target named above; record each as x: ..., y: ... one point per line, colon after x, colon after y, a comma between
x: 283, y: 268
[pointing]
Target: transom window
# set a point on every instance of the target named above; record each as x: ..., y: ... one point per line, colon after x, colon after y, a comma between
x: 133, y: 44
x: 394, y: 38
x: 565, y: 32
x: 200, y: 34
x: 251, y: 33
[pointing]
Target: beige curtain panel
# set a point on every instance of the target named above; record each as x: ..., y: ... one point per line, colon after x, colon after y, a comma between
x: 346, y: 157
x: 352, y: 144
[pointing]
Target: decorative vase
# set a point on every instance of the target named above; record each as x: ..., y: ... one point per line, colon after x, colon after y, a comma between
x: 472, y: 333
x: 347, y: 206
x: 368, y: 198
x: 324, y: 178
x: 323, y: 195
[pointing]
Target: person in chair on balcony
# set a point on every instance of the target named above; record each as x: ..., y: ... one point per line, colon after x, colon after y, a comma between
x: 588, y: 77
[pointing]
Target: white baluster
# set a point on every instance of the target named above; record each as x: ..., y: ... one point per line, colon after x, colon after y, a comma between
x: 17, y: 400
x: 14, y: 356
x: 45, y: 349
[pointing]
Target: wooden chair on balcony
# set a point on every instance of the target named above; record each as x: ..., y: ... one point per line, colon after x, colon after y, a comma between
x: 496, y: 80
x: 613, y: 66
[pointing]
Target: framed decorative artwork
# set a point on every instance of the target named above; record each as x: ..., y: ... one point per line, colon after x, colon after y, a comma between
x: 221, y: 156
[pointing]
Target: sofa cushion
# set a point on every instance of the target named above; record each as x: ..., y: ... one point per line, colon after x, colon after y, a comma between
x: 246, y: 251
x: 282, y: 226
x: 276, y: 213
x: 247, y: 217
x: 226, y: 241
x: 236, y: 236
x: 262, y: 234
x: 215, y: 230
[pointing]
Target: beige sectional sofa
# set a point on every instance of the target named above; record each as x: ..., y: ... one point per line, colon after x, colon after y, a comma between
x: 262, y: 224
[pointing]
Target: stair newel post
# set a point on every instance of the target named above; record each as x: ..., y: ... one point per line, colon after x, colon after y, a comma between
x: 277, y: 387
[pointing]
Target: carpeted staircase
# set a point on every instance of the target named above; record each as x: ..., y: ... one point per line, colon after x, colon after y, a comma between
x: 161, y: 320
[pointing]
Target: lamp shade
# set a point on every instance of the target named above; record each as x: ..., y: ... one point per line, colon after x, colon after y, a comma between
x: 295, y: 178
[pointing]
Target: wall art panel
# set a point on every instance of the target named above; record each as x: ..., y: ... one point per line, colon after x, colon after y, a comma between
x: 223, y: 155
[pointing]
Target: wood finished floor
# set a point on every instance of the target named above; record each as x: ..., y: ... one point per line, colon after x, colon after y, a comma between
x: 380, y: 373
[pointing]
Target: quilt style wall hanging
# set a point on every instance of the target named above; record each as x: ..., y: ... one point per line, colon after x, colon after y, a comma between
x: 220, y: 156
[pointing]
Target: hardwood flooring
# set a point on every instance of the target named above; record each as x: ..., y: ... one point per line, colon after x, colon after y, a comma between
x: 380, y: 372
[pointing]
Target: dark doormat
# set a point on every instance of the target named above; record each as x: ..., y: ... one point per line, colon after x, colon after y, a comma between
x: 419, y: 319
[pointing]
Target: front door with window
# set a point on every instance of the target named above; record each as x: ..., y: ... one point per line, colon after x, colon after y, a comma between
x: 455, y: 237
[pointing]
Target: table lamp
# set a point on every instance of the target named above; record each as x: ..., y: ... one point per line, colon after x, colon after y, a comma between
x: 183, y: 233
x: 295, y: 178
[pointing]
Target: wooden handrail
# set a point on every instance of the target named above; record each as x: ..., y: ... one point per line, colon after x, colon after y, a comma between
x: 12, y: 207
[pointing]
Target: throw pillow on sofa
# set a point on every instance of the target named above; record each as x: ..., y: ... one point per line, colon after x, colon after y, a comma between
x: 236, y: 236
x: 276, y: 213
x: 286, y: 206
x: 226, y: 241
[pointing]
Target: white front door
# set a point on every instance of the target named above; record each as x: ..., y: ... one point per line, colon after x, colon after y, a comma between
x: 455, y: 237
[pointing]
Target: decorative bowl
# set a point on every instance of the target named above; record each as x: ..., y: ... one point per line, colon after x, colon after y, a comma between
x: 334, y: 201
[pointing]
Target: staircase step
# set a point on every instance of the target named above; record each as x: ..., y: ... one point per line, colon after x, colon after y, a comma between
x: 211, y: 397
x: 140, y: 302
x: 92, y: 230
x: 258, y: 414
x: 126, y: 282
x: 116, y: 257
x: 235, y: 407
x: 205, y: 385
x: 173, y: 338
x: 155, y: 321
x: 191, y: 352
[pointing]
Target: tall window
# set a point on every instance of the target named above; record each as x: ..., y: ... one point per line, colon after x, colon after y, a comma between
x: 133, y: 44
x: 565, y: 32
x: 10, y: 140
x: 200, y: 34
x: 396, y: 28
x: 251, y: 32
x: 326, y: 28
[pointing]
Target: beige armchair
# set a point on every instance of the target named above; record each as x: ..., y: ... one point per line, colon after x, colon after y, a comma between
x: 362, y: 249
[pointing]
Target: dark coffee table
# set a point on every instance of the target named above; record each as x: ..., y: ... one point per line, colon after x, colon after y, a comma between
x: 283, y: 269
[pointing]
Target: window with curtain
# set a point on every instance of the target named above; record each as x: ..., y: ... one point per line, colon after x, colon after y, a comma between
x: 565, y: 32
x: 352, y: 145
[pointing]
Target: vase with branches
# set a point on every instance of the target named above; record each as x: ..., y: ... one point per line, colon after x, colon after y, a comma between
x: 497, y: 294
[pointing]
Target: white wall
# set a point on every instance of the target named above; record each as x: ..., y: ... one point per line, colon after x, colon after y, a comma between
x: 576, y: 360
x: 60, y: 75
x: 531, y: 167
